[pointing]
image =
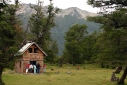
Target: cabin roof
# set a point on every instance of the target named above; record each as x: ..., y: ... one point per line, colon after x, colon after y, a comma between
x: 25, y: 47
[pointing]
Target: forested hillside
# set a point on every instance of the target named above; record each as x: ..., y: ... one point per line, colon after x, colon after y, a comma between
x: 64, y: 20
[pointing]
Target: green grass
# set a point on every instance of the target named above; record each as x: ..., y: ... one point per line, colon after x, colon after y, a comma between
x: 86, y: 75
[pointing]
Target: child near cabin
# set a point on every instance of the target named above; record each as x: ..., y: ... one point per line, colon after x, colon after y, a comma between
x: 44, y: 68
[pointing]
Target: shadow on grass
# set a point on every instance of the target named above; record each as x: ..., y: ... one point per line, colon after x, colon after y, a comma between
x: 122, y: 84
x: 49, y: 73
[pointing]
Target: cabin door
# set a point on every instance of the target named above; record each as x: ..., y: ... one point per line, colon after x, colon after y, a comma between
x: 33, y: 62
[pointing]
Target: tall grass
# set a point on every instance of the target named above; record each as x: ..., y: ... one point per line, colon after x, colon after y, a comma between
x: 86, y: 75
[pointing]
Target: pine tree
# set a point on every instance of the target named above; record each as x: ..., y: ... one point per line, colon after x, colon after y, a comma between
x: 10, y: 38
x: 73, y: 44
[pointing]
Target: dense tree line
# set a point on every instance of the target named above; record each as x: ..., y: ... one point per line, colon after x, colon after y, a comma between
x: 113, y: 39
x: 116, y: 27
x: 107, y: 47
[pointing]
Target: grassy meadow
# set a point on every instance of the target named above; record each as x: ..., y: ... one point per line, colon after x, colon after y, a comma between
x: 86, y: 75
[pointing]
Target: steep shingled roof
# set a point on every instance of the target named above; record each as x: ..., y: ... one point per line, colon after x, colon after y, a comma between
x: 25, y: 47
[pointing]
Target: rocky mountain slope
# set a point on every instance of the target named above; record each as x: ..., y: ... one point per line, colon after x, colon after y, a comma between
x: 64, y: 20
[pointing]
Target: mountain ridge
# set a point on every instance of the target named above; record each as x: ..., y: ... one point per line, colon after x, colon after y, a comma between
x: 64, y: 20
x: 73, y: 10
x: 69, y: 11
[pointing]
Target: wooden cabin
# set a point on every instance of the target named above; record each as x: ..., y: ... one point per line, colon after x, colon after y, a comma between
x: 30, y: 53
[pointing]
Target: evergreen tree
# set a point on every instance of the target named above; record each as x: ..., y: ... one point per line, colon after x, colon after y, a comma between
x: 89, y: 52
x: 73, y: 44
x: 10, y: 38
x: 100, y: 3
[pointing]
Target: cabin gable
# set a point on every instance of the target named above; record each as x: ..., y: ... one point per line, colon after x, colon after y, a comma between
x: 33, y: 53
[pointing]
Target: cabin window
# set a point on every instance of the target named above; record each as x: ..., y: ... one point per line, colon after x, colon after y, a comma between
x: 30, y: 50
x: 35, y: 50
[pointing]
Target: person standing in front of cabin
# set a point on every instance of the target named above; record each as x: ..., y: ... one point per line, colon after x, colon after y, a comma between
x: 27, y: 67
x: 31, y: 68
x: 44, y: 68
x: 38, y: 68
x: 34, y: 66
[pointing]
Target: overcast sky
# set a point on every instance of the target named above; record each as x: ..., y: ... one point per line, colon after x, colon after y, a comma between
x: 63, y: 4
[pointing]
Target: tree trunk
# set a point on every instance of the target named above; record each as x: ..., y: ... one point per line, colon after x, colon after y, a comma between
x: 121, y: 81
x: 74, y: 64
x: 1, y: 82
x: 61, y: 62
x: 73, y: 61
x: 118, y: 70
